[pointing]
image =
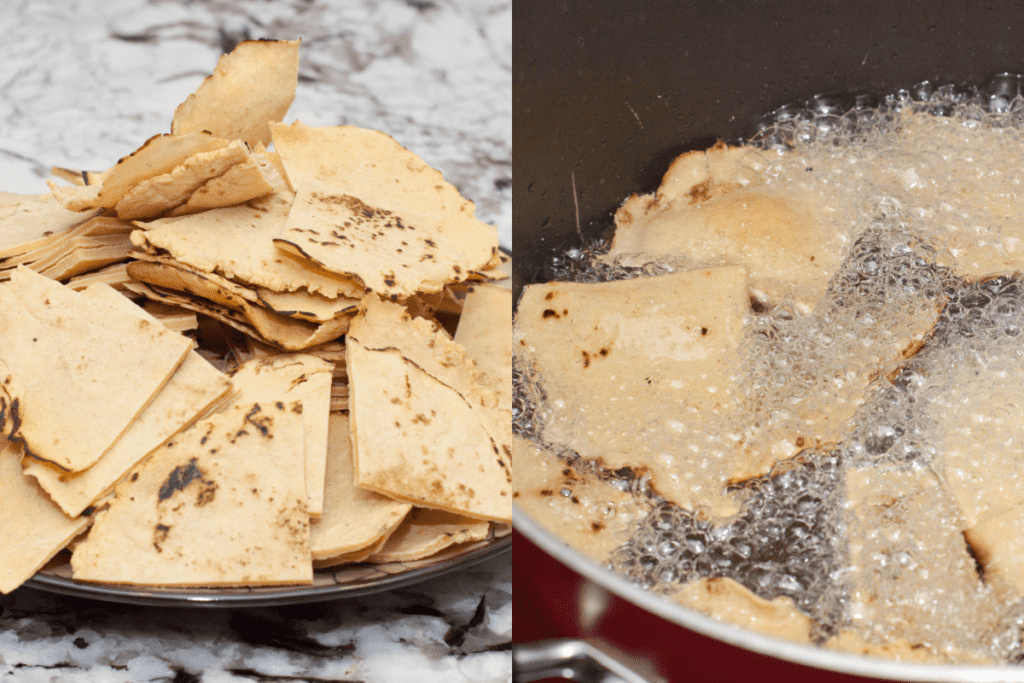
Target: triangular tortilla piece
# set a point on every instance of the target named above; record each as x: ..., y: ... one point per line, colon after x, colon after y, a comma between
x: 158, y: 155
x: 32, y: 528
x: 171, y: 317
x: 290, y: 334
x: 353, y: 520
x: 230, y: 317
x: 657, y: 356
x: 115, y: 275
x: 191, y: 391
x: 306, y: 305
x: 392, y: 217
x: 292, y: 377
x: 713, y: 208
x: 81, y: 261
x: 35, y: 222
x: 426, y: 532
x: 153, y: 196
x: 595, y: 518
x: 238, y: 243
x: 425, y: 429
x: 485, y: 331
x: 221, y: 504
x: 250, y: 179
x: 88, y: 368
x: 254, y: 84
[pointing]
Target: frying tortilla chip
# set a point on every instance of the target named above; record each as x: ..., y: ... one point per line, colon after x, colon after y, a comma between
x: 290, y: 334
x: 88, y: 368
x: 485, y: 332
x: 713, y: 208
x: 353, y: 520
x: 296, y: 377
x: 250, y: 86
x: 160, y: 154
x: 32, y: 528
x: 582, y: 518
x: 221, y: 504
x: 425, y: 429
x: 153, y: 196
x: 368, y: 208
x: 191, y: 390
x: 649, y: 354
x: 237, y: 243
x: 425, y: 532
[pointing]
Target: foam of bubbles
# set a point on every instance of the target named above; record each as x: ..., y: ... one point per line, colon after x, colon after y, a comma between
x: 863, y: 528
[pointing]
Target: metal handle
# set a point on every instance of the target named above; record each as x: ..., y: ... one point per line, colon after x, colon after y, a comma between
x: 585, y: 661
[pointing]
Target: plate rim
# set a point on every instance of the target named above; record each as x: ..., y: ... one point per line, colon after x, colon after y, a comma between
x: 250, y: 597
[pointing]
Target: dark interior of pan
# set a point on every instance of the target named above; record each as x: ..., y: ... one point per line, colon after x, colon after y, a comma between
x: 607, y: 92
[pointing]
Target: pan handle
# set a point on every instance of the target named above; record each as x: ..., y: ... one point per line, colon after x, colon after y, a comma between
x: 586, y: 661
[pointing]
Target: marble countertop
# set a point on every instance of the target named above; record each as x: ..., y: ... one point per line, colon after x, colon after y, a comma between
x: 82, y: 83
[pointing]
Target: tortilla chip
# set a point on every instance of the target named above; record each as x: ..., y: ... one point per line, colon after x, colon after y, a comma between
x: 306, y: 305
x: 115, y: 275
x: 34, y: 223
x: 595, y: 518
x: 32, y: 528
x: 171, y: 317
x: 191, y: 390
x: 654, y: 354
x: 353, y: 520
x: 237, y: 243
x: 153, y: 196
x: 160, y: 154
x: 88, y: 368
x: 221, y: 504
x: 424, y: 427
x: 247, y: 180
x: 368, y: 208
x: 485, y: 331
x: 733, y: 603
x: 426, y: 532
x: 76, y: 177
x: 999, y: 547
x: 292, y: 377
x: 713, y: 208
x: 251, y: 86
x: 290, y: 334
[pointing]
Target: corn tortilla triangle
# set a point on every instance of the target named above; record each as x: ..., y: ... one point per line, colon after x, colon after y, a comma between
x: 369, y: 208
x: 160, y: 154
x: 221, y: 504
x: 237, y: 242
x: 297, y: 377
x: 32, y: 528
x: 88, y: 368
x: 353, y: 519
x: 192, y: 389
x: 425, y: 429
x: 425, y: 532
x: 485, y: 331
x: 254, y: 84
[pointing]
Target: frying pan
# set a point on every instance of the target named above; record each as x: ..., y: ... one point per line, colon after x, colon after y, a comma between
x: 606, y: 93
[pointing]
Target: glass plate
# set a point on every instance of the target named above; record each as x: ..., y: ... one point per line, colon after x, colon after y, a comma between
x: 328, y: 584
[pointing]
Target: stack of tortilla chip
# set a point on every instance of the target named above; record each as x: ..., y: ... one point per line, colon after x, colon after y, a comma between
x: 216, y: 398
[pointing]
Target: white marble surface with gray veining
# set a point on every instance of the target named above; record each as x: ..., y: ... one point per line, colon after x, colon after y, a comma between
x: 84, y: 82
